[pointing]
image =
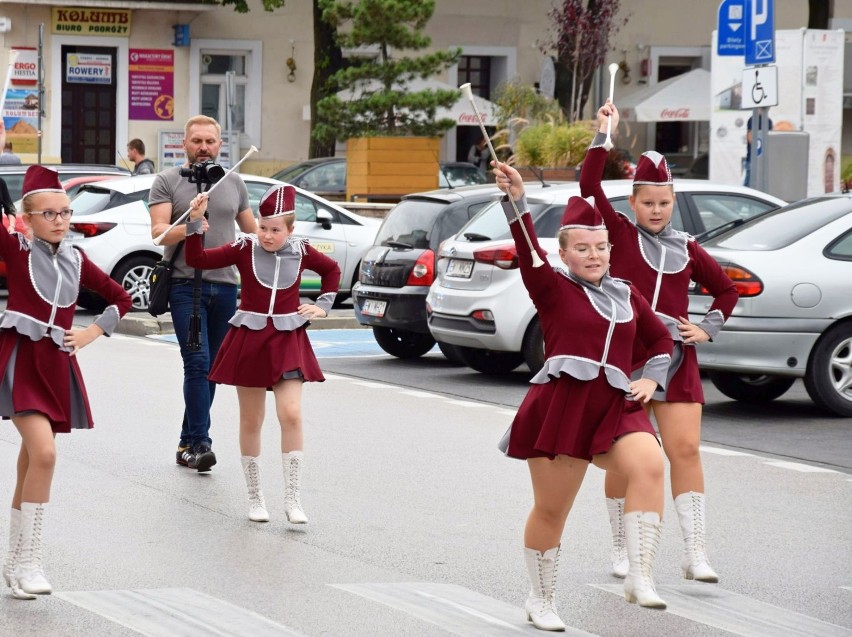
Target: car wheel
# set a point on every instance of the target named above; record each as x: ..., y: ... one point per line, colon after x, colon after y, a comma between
x: 402, y: 343
x: 751, y: 388
x: 533, y: 346
x: 829, y: 375
x: 451, y: 352
x: 132, y: 275
x: 88, y: 300
x: 490, y: 362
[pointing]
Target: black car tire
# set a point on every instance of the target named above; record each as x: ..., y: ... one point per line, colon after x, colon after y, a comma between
x: 828, y: 364
x: 402, y: 343
x: 452, y: 353
x: 488, y: 361
x: 751, y: 388
x: 533, y: 346
x: 132, y: 274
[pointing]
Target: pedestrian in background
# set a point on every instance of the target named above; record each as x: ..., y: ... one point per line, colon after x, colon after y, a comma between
x: 136, y: 154
x: 747, y: 158
x: 267, y: 346
x: 171, y: 194
x: 42, y: 390
x: 9, y: 158
x: 577, y: 410
x: 662, y: 262
x: 479, y: 155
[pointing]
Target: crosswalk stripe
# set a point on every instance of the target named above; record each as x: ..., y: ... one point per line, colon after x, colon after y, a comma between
x: 175, y: 612
x: 456, y: 609
x: 737, y: 614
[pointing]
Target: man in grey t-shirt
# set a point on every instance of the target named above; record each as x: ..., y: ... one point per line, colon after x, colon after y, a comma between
x: 170, y: 197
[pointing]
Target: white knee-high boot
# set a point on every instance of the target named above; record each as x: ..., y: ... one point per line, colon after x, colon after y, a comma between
x: 642, y: 530
x: 620, y: 564
x: 293, y: 463
x: 257, y: 505
x: 540, y: 607
x: 28, y: 578
x: 690, y: 513
x: 14, y: 537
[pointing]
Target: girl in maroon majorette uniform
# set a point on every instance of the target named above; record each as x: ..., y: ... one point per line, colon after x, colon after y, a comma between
x: 267, y: 346
x: 661, y: 262
x: 42, y: 390
x: 577, y: 410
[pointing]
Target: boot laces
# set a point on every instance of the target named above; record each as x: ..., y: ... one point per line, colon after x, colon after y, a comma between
x: 291, y: 492
x: 697, y: 539
x: 548, y: 589
x: 254, y: 492
x: 31, y: 558
x: 648, y: 551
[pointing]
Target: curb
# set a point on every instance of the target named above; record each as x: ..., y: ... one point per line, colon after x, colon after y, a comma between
x: 138, y: 325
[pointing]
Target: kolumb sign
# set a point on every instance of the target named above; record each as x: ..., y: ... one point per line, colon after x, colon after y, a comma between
x: 87, y: 21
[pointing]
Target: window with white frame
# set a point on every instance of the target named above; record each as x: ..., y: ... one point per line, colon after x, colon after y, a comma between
x: 228, y: 87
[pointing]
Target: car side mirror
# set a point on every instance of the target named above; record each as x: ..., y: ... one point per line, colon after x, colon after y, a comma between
x: 324, y: 219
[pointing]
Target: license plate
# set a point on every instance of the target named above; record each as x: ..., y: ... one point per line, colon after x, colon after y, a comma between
x: 374, y: 308
x: 460, y: 269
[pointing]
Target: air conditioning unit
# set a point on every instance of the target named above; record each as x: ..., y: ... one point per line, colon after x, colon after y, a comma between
x: 5, y: 24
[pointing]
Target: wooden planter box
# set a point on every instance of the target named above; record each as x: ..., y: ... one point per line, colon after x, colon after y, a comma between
x: 385, y: 168
x: 548, y: 174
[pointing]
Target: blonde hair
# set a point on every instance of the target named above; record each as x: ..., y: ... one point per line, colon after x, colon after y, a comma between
x: 638, y: 187
x: 27, y: 205
x: 202, y: 120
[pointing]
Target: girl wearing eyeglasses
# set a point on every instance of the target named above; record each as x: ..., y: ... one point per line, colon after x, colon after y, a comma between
x: 577, y: 411
x: 42, y: 388
x: 662, y: 262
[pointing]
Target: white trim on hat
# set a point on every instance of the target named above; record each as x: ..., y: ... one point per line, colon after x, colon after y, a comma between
x: 278, y: 214
x: 580, y: 226
x: 38, y: 190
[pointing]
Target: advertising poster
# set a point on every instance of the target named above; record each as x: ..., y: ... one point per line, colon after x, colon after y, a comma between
x: 88, y: 68
x: 151, y: 84
x: 20, y: 110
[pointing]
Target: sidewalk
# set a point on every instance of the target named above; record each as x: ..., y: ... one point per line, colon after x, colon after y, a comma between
x: 143, y: 324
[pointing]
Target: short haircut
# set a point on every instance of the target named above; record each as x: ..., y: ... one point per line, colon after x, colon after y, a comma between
x: 138, y: 145
x: 8, y: 146
x: 202, y: 120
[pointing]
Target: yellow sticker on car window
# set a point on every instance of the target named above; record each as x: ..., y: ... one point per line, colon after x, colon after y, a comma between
x: 326, y: 247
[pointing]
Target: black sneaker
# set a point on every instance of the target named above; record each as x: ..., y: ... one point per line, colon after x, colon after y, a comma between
x: 184, y: 456
x: 203, y: 458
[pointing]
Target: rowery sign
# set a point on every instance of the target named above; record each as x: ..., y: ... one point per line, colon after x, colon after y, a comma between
x: 82, y: 21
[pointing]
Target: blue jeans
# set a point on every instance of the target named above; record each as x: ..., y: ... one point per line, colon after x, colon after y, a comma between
x: 218, y: 304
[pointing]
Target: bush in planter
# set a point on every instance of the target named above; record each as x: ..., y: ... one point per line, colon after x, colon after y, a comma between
x: 553, y: 145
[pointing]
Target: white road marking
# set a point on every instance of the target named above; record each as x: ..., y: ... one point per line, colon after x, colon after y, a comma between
x: 798, y: 466
x: 737, y: 614
x: 456, y: 609
x: 465, y: 403
x: 418, y: 394
x: 175, y: 612
x: 719, y: 451
x: 847, y: 588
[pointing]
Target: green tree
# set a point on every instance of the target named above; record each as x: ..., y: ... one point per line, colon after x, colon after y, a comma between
x: 328, y: 60
x: 241, y: 6
x: 381, y: 103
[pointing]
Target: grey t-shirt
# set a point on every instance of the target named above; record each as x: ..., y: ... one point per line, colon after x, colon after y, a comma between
x: 229, y: 198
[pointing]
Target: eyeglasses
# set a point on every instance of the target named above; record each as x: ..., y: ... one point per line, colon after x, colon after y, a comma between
x: 50, y: 215
x: 584, y: 252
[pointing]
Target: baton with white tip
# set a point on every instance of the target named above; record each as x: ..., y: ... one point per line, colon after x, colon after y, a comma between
x: 160, y: 238
x: 613, y: 69
x: 465, y: 88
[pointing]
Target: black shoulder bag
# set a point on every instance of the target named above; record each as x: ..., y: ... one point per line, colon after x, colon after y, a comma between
x: 159, y: 283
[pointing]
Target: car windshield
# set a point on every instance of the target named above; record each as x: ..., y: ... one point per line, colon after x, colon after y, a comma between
x: 780, y: 228
x: 410, y: 223
x: 490, y: 223
x: 460, y: 175
x: 93, y: 199
x: 291, y: 172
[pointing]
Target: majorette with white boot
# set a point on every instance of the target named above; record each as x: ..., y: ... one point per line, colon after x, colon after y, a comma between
x: 42, y: 389
x: 267, y: 346
x: 662, y: 262
x: 577, y: 410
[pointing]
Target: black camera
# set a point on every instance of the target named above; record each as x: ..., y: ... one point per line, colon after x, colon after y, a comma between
x: 203, y: 172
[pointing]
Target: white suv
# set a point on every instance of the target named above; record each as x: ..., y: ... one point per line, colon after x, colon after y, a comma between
x: 478, y: 301
x: 112, y: 226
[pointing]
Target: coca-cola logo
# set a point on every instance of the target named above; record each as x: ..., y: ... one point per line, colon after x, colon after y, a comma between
x: 469, y: 118
x: 674, y: 113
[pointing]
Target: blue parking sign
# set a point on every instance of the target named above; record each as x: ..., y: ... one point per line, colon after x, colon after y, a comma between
x: 731, y: 28
x: 759, y: 32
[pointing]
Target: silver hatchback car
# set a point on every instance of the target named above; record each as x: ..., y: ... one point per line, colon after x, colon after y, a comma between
x: 793, y: 269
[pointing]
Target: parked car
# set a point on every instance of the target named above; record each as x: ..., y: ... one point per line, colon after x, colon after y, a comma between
x: 112, y: 226
x: 327, y: 175
x: 14, y: 175
x: 793, y: 268
x: 396, y: 272
x: 478, y: 301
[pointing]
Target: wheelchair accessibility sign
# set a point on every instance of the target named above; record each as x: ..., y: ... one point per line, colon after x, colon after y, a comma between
x: 760, y: 87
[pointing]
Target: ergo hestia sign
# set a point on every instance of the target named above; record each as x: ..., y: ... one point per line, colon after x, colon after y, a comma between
x: 83, y: 21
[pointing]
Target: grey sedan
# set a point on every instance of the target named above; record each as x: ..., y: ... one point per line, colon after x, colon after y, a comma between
x: 793, y: 268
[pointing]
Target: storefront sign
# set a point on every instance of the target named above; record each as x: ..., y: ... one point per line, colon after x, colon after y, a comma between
x: 152, y: 82
x: 25, y: 69
x: 88, y: 68
x: 81, y: 21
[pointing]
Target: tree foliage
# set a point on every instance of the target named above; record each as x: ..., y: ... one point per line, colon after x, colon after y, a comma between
x: 379, y: 101
x: 241, y: 6
x: 580, y: 35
